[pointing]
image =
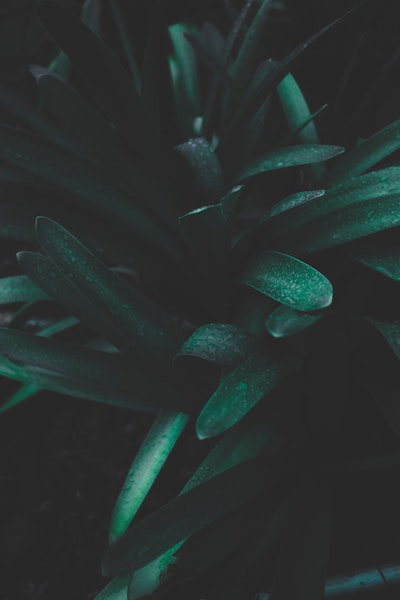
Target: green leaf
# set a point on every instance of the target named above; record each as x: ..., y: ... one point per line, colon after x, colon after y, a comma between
x: 142, y: 322
x: 302, y: 564
x: 125, y: 35
x: 297, y: 113
x: 204, y: 165
x: 90, y: 366
x: 117, y: 589
x: 19, y: 288
x: 242, y: 442
x: 344, y: 225
x: 185, y: 515
x: 289, y: 281
x: 291, y: 156
x: 26, y: 151
x: 381, y: 255
x: 183, y: 68
x: 230, y: 200
x: 390, y: 331
x: 113, y: 87
x: 145, y: 468
x: 240, y: 391
x: 219, y: 343
x: 367, y: 154
x: 284, y: 321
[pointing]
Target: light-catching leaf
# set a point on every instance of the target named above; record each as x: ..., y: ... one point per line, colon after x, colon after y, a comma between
x: 19, y: 288
x: 284, y: 321
x: 289, y: 281
x: 145, y: 468
x: 204, y: 165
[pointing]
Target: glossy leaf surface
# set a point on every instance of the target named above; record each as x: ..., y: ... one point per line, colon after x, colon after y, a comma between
x: 285, y: 321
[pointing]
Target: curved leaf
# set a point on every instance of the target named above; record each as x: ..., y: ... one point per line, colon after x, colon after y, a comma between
x: 289, y: 281
x: 219, y: 343
x: 185, y: 515
x: 204, y: 164
x: 284, y: 321
x: 291, y: 156
x: 240, y: 391
x: 143, y: 322
x: 382, y: 256
x: 19, y: 288
x: 145, y: 468
x: 117, y: 589
x: 112, y: 86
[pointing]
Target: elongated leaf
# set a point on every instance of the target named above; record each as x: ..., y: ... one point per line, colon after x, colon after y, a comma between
x: 28, y: 152
x: 124, y: 33
x: 344, y: 225
x: 303, y: 560
x: 230, y: 200
x: 143, y: 322
x: 382, y: 256
x: 213, y: 40
x: 185, y: 515
x: 117, y: 589
x: 391, y: 333
x: 285, y: 321
x: 184, y: 76
x: 242, y: 442
x: 23, y: 393
x: 291, y: 156
x: 367, y: 154
x: 219, y: 343
x: 145, y: 468
x: 239, y: 392
x: 88, y: 365
x: 204, y: 164
x: 113, y: 87
x: 297, y: 112
x: 19, y: 288
x: 388, y: 402
x: 289, y: 281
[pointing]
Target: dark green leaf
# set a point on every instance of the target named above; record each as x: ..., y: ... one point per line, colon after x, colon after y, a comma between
x: 240, y: 391
x: 185, y: 515
x: 291, y: 156
x: 111, y: 84
x: 289, y: 281
x: 117, y: 589
x: 148, y: 462
x: 125, y: 34
x: 18, y: 288
x: 143, y: 322
x: 219, y: 343
x: 285, y: 321
x: 230, y: 200
x: 382, y: 256
x: 204, y: 164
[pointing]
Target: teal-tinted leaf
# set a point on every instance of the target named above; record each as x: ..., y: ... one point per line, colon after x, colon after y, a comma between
x: 382, y: 256
x: 213, y: 40
x: 302, y: 564
x: 145, y: 468
x: 143, y: 322
x: 285, y: 321
x: 28, y: 152
x: 23, y: 393
x: 205, y: 231
x: 344, y: 225
x: 204, y: 164
x: 219, y: 343
x: 291, y: 156
x: 242, y: 442
x: 92, y: 366
x: 114, y: 89
x: 297, y: 113
x: 184, y: 76
x: 117, y: 589
x: 123, y: 29
x: 185, y: 515
x: 367, y: 154
x: 240, y: 391
x: 91, y: 15
x: 17, y: 222
x: 203, y: 53
x: 230, y: 200
x: 19, y: 288
x: 289, y: 281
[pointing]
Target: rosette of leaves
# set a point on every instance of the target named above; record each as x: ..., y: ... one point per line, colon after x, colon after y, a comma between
x: 205, y: 273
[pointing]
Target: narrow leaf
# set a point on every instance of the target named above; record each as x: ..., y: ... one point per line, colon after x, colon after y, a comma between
x: 19, y: 288
x: 204, y: 165
x: 382, y: 256
x: 145, y: 468
x: 117, y: 589
x: 291, y: 156
x: 289, y: 281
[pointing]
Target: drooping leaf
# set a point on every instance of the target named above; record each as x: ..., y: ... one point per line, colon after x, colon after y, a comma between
x: 143, y: 322
x: 289, y: 281
x: 145, y: 468
x: 84, y: 364
x: 240, y: 390
x: 114, y: 89
x: 367, y: 154
x: 285, y: 321
x: 185, y: 515
x: 204, y: 165
x: 302, y: 564
x: 219, y: 343
x: 19, y: 288
x: 291, y: 156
